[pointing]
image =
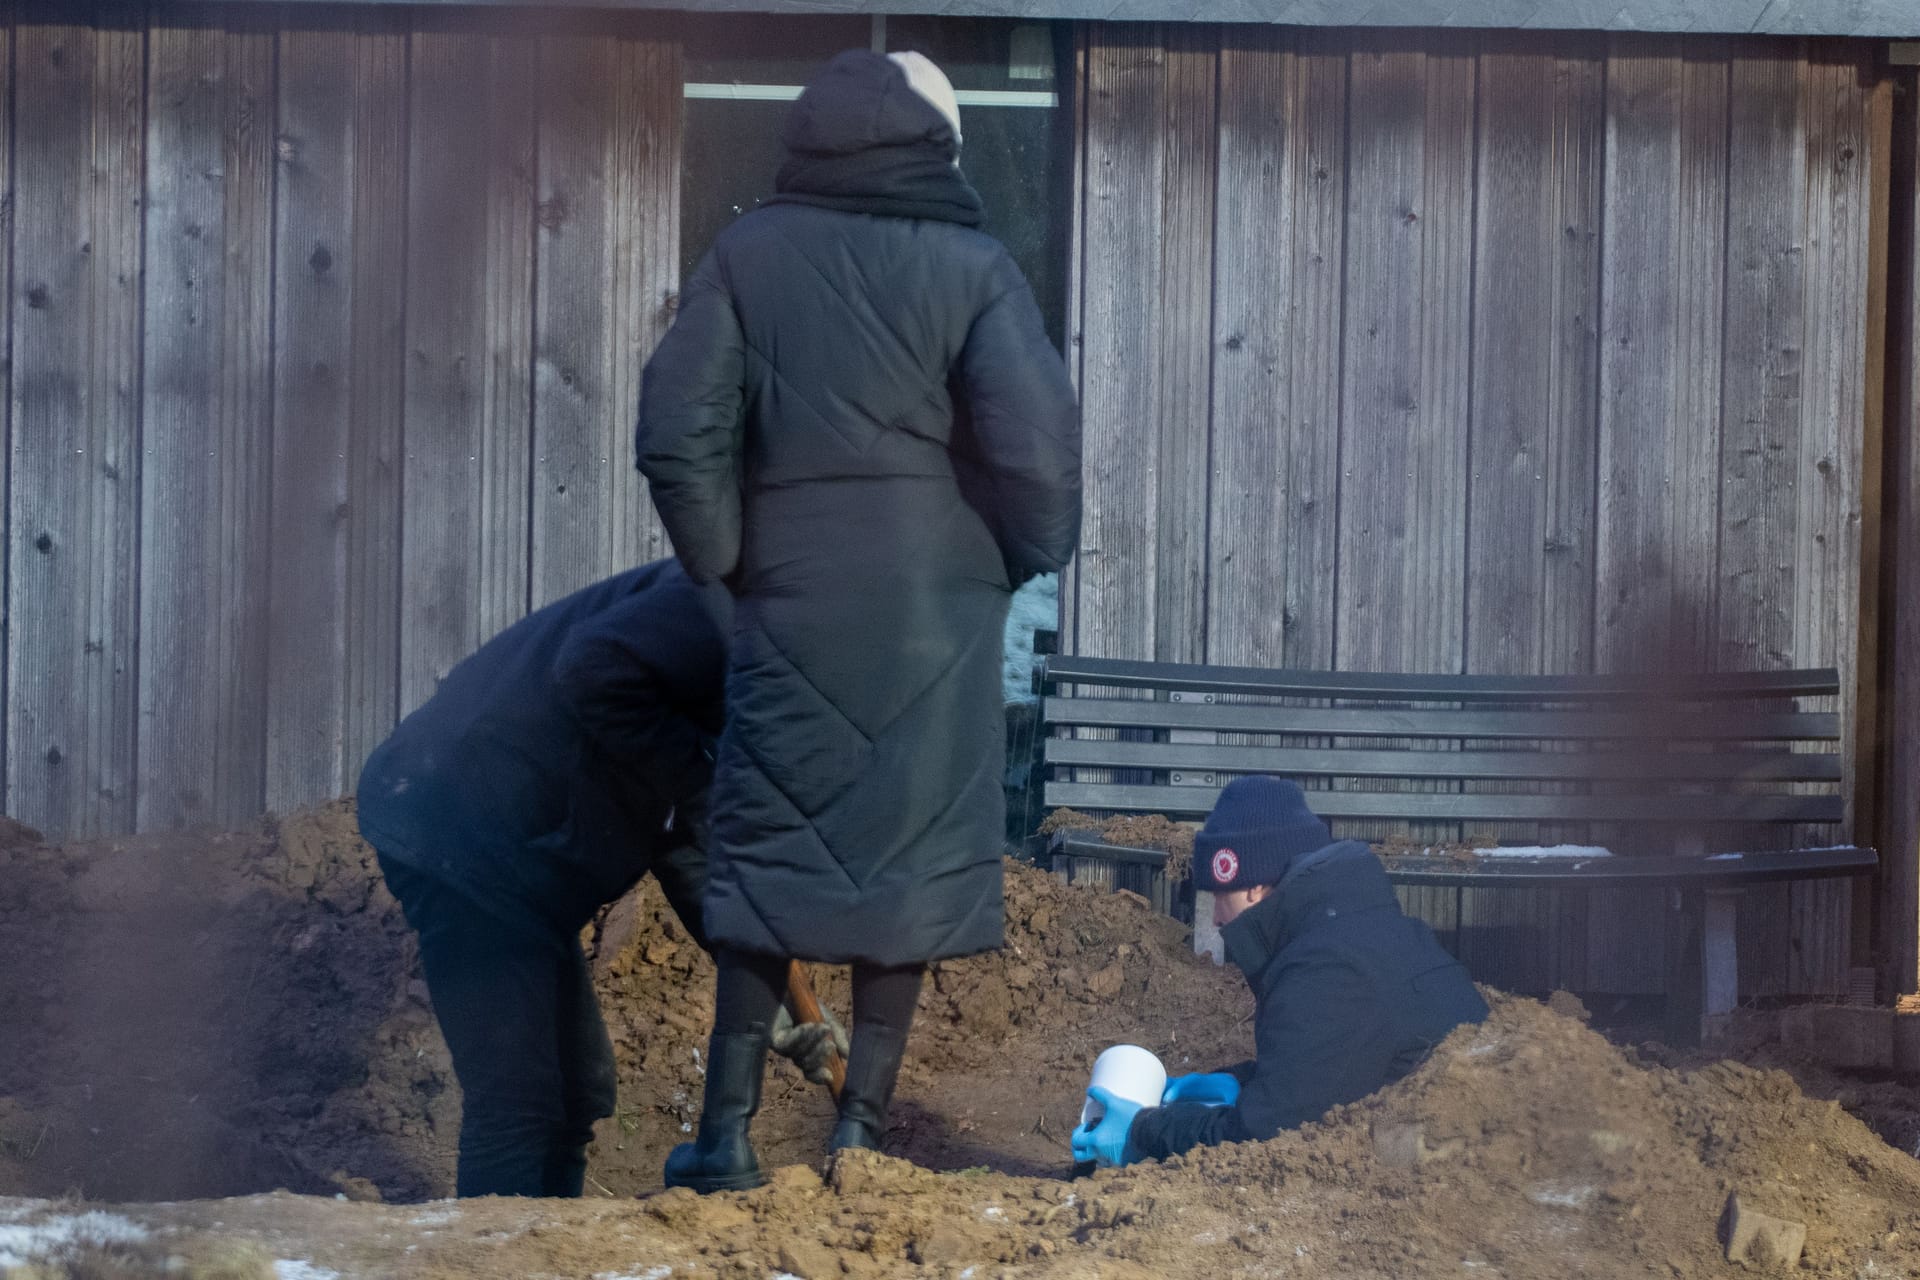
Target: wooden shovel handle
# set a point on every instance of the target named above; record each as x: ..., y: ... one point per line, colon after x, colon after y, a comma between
x: 807, y: 1009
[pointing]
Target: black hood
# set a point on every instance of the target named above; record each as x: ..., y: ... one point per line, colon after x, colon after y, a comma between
x: 863, y: 100
x: 860, y: 139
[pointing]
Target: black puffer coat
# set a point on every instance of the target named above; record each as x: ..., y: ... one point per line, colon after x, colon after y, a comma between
x: 1350, y: 994
x: 565, y: 758
x: 858, y: 423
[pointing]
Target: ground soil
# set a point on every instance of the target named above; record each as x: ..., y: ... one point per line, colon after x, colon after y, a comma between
x: 1134, y: 830
x: 201, y: 1016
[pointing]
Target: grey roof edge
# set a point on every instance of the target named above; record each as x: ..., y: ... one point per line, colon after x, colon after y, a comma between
x: 1877, y: 19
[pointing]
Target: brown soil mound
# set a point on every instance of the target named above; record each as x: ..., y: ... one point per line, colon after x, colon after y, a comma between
x: 1134, y: 830
x: 215, y: 1014
x: 219, y: 1014
x: 1528, y: 1148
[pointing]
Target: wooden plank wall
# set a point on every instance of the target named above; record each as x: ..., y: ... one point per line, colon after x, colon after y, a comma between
x: 326, y: 327
x: 1527, y: 354
x: 1898, y: 888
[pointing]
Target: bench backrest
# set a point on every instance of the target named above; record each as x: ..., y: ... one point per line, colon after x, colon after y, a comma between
x: 1693, y: 751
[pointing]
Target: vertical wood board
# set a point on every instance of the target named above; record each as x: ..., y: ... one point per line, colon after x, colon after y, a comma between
x: 1184, y: 299
x: 339, y: 246
x: 470, y: 212
x: 607, y: 265
x: 73, y: 522
x: 1125, y: 167
x: 206, y: 425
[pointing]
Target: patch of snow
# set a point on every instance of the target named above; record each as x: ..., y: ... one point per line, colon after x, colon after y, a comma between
x: 435, y: 1217
x: 300, y: 1269
x: 651, y: 1273
x: 1561, y: 1197
x: 993, y: 1213
x: 20, y: 1245
x: 1545, y: 851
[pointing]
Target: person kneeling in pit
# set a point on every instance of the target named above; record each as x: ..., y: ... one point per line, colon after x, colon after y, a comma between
x: 1350, y: 994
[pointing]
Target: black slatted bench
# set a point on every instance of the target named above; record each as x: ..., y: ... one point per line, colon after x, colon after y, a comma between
x: 1699, y: 784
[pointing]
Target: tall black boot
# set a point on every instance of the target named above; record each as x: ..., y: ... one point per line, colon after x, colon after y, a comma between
x: 872, y: 1068
x: 721, y: 1157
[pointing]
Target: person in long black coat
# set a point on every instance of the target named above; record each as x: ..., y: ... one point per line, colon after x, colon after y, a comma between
x: 1349, y: 993
x: 856, y: 423
x: 563, y: 760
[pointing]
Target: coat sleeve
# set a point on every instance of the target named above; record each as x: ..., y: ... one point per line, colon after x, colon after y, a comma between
x: 1017, y: 443
x: 1318, y: 1035
x: 691, y: 433
x: 644, y: 680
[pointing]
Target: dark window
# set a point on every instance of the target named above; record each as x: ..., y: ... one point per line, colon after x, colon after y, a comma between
x: 742, y: 71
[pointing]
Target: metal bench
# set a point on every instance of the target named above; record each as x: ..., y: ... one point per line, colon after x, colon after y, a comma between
x: 1697, y: 784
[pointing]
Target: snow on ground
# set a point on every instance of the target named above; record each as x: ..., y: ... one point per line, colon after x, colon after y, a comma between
x: 22, y: 1243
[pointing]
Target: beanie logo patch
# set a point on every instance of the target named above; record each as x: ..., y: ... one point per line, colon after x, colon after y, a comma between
x: 1226, y: 865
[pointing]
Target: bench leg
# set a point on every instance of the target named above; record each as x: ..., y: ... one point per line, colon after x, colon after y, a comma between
x: 1686, y: 984
x: 1720, y: 958
x: 1206, y: 938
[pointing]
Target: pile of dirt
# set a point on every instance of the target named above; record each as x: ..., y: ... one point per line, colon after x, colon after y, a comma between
x: 198, y: 1016
x: 1527, y: 1147
x: 1001, y: 1042
x: 206, y: 1015
x: 1134, y: 831
x: 215, y: 1014
x: 1405, y: 846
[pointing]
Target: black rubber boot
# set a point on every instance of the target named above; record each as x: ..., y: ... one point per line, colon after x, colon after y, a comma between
x: 872, y: 1068
x: 721, y: 1158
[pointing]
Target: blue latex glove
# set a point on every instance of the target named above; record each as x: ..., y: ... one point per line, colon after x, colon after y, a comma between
x: 1215, y: 1088
x: 1106, y: 1141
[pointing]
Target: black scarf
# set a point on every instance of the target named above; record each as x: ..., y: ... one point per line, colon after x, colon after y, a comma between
x: 914, y: 180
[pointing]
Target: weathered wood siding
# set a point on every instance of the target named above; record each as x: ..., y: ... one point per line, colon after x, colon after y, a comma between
x: 326, y: 327
x: 1897, y: 903
x: 1524, y: 354
x: 1458, y: 351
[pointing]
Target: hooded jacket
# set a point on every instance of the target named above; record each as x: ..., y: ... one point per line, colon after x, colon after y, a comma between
x: 564, y: 759
x: 858, y: 424
x: 1350, y: 995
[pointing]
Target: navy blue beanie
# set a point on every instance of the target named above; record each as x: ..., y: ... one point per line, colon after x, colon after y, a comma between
x: 1258, y: 826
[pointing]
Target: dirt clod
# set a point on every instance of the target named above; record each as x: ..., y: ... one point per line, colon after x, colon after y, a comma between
x: 1762, y: 1239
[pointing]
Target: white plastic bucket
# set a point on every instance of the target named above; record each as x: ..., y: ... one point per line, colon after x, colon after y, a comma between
x: 1126, y: 1071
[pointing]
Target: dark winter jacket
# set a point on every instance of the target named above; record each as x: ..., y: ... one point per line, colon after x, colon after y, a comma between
x: 1349, y: 994
x: 858, y: 424
x: 566, y: 757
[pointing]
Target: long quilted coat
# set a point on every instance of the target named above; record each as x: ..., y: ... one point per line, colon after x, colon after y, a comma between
x: 858, y: 423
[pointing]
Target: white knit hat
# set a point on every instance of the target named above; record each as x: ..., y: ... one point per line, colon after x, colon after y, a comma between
x: 931, y: 83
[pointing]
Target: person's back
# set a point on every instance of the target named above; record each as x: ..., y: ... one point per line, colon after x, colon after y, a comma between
x: 1351, y: 992
x: 504, y: 784
x: 858, y: 424
x: 535, y: 786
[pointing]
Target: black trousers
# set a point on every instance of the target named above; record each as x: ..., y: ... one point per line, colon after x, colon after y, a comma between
x: 748, y: 989
x: 517, y: 1008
